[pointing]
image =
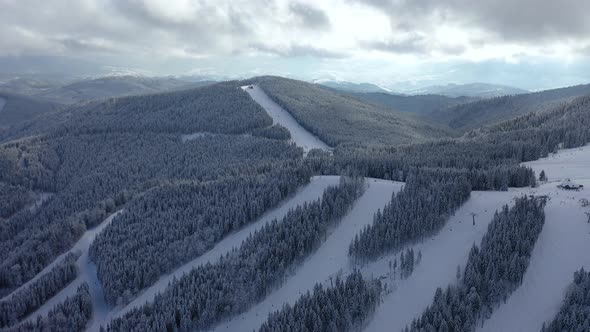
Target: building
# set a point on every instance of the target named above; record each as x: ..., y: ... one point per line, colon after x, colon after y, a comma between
x: 570, y: 185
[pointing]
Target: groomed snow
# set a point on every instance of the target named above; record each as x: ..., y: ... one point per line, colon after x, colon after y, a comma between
x: 563, y: 247
x: 440, y: 257
x: 310, y: 192
x: 299, y: 135
x: 329, y: 260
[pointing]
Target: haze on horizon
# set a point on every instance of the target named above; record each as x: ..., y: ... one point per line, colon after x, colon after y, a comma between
x: 398, y: 44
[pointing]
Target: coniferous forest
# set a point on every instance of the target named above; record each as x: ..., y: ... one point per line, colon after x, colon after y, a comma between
x: 344, y: 306
x: 248, y: 273
x: 185, y: 170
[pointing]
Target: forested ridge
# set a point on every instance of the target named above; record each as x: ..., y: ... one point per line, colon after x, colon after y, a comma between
x: 338, y: 119
x: 487, y: 111
x: 494, y: 270
x: 212, y: 292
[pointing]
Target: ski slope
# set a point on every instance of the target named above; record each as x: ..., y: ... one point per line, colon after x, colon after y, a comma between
x: 86, y: 273
x: 438, y: 268
x: 330, y: 260
x: 299, y: 135
x: 563, y: 246
x: 310, y: 192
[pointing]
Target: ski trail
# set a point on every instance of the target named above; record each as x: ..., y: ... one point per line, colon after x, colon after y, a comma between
x: 310, y: 192
x: 86, y: 273
x: 299, y: 135
x: 440, y: 257
x: 329, y: 260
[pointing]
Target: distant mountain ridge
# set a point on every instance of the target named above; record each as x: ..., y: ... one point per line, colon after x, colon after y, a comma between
x: 352, y: 87
x: 482, y: 90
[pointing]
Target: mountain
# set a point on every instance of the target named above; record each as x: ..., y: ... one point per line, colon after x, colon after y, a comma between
x: 337, y: 118
x: 114, y: 86
x: 351, y: 87
x: 481, y: 90
x: 28, y: 85
x: 15, y: 108
x: 468, y: 116
x: 420, y: 105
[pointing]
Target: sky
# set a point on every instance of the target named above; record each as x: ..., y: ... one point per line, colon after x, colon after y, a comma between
x: 531, y: 44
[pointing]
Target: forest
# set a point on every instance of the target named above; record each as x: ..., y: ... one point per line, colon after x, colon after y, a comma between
x: 344, y: 306
x: 212, y: 292
x: 28, y: 299
x: 421, y: 209
x: 494, y: 270
x: 172, y: 224
x: 72, y: 314
x: 182, y: 196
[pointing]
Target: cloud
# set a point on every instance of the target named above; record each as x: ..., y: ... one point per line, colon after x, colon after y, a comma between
x: 296, y: 50
x: 309, y: 17
x: 525, y: 21
x: 410, y: 45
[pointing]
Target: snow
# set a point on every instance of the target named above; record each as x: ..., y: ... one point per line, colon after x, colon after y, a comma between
x: 562, y: 247
x: 329, y: 260
x: 440, y: 257
x: 86, y: 272
x: 299, y: 135
x: 310, y: 192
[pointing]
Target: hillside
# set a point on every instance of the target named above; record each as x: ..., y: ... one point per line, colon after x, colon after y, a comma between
x: 420, y: 105
x: 477, y: 90
x: 114, y: 86
x: 339, y: 119
x: 351, y: 87
x: 488, y: 111
x: 15, y: 108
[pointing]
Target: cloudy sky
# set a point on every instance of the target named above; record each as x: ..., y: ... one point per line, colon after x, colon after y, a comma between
x: 532, y: 44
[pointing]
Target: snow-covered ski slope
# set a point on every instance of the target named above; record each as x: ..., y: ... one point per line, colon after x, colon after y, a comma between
x: 438, y: 268
x: 330, y: 260
x: 562, y: 248
x: 86, y: 273
x: 299, y: 135
x: 310, y: 192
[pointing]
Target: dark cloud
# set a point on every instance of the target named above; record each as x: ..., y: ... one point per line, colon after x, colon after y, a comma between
x: 527, y: 21
x: 411, y: 45
x: 310, y: 17
x: 296, y: 50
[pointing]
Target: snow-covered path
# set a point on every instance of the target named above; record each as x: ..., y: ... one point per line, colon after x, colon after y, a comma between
x: 86, y: 273
x: 328, y: 261
x: 440, y: 257
x: 562, y: 247
x: 299, y: 135
x: 310, y: 192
